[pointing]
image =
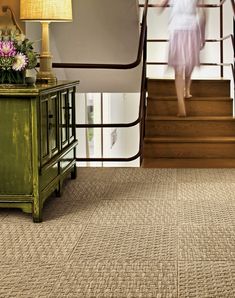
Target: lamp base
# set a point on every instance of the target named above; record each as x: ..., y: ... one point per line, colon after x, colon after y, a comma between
x: 46, y: 77
x: 45, y: 74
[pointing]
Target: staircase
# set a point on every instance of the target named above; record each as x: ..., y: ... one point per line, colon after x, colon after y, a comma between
x: 204, y: 139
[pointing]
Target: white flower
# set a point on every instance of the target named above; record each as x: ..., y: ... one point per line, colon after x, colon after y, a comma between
x: 20, y: 37
x: 20, y: 62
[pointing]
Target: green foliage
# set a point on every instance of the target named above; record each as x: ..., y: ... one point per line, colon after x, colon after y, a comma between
x: 12, y: 77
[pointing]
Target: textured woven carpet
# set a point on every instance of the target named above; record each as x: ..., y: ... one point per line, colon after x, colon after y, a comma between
x: 126, y: 232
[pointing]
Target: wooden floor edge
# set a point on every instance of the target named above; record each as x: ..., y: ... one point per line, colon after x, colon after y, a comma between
x: 191, y: 118
x: 219, y: 79
x: 188, y: 163
x: 189, y: 140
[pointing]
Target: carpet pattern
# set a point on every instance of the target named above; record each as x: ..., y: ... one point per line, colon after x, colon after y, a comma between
x: 125, y: 233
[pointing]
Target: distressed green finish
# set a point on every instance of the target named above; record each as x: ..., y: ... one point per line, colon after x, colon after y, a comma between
x: 37, y: 144
x: 15, y: 147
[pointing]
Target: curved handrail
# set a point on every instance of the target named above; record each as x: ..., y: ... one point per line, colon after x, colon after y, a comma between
x: 115, y: 66
x: 140, y: 119
x: 205, y: 5
x: 202, y: 5
x: 233, y: 6
x: 142, y: 105
x: 207, y: 40
x: 221, y: 39
x: 202, y: 64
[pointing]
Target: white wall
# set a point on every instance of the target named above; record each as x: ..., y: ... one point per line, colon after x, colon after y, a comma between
x: 117, y: 108
x: 121, y: 108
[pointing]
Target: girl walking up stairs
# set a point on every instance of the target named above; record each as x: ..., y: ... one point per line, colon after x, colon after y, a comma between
x: 183, y: 130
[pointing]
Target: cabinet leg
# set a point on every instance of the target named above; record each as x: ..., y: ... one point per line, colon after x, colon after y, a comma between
x: 58, y: 190
x: 37, y: 219
x: 37, y: 211
x: 74, y: 172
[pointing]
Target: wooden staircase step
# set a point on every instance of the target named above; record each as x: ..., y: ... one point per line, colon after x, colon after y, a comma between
x: 189, y: 126
x: 196, y: 98
x: 209, y: 87
x: 178, y: 139
x: 203, y: 139
x: 195, y: 106
x: 188, y: 163
x: 191, y: 147
x: 189, y: 118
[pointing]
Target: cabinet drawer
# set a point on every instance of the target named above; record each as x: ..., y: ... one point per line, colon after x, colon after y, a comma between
x: 67, y: 160
x: 48, y: 176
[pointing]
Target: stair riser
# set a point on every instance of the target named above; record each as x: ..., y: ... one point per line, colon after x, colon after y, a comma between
x: 189, y: 150
x: 193, y: 108
x: 198, y: 88
x: 190, y: 128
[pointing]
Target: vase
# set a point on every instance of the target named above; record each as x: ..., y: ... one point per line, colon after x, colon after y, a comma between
x: 12, y: 77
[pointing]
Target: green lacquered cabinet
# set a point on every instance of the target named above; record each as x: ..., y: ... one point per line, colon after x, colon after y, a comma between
x: 37, y: 144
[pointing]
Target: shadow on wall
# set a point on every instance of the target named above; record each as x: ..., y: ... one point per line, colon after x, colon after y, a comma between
x: 102, y: 31
x: 15, y: 6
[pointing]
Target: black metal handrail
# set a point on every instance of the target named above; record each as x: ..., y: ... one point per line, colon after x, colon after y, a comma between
x: 207, y: 40
x: 141, y: 56
x: 233, y: 6
x: 202, y: 5
x: 221, y: 39
x: 141, y: 119
x: 230, y: 36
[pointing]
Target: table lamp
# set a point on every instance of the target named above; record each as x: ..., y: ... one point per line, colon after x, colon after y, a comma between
x: 46, y: 11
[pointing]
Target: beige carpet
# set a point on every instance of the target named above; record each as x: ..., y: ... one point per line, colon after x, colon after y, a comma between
x: 126, y: 233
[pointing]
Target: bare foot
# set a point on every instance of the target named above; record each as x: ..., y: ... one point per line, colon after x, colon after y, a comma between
x: 181, y: 114
x: 187, y: 96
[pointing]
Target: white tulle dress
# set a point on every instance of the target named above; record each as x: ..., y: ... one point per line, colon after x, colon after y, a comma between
x: 185, y: 36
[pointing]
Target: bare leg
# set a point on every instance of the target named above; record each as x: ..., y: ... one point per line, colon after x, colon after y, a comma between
x: 188, y: 73
x: 179, y: 85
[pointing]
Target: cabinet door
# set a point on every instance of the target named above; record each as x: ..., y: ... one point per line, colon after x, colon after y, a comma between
x: 67, y: 117
x: 64, y: 118
x: 71, y: 114
x: 44, y: 129
x: 49, y: 127
x: 54, y: 124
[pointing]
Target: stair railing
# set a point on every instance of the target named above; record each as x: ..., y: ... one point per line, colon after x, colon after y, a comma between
x: 141, y: 57
x: 220, y: 40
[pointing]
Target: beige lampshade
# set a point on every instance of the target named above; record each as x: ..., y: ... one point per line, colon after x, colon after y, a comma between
x: 46, y: 10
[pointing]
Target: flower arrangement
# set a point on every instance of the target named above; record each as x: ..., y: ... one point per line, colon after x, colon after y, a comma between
x: 16, y: 55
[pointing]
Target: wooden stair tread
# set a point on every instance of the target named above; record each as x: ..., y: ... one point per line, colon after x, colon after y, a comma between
x: 203, y: 139
x: 200, y: 87
x: 194, y: 98
x: 180, y: 139
x: 188, y: 163
x: 193, y: 80
x: 190, y: 118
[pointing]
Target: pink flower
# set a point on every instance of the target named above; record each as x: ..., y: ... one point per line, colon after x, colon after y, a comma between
x: 7, y: 49
x: 20, y: 62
